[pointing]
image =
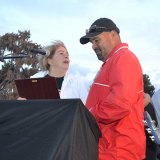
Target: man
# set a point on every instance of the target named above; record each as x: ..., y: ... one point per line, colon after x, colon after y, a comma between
x: 116, y: 98
x: 156, y: 104
x: 155, y: 100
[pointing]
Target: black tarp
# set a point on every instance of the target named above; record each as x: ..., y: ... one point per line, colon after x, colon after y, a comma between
x: 47, y: 130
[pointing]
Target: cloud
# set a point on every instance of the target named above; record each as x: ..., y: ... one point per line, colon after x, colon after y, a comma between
x: 48, y: 20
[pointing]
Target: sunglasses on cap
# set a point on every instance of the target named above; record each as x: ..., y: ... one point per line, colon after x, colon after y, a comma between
x: 95, y: 28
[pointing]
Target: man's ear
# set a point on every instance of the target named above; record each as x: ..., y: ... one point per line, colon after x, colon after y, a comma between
x: 114, y: 34
x: 49, y: 61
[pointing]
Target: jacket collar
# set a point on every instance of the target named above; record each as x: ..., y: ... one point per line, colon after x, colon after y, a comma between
x: 115, y: 50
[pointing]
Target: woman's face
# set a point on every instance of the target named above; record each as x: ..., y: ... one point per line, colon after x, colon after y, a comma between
x: 60, y: 59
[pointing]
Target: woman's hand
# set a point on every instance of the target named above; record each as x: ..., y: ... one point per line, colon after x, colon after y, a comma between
x: 21, y: 98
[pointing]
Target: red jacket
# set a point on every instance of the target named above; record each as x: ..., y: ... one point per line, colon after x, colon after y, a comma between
x: 116, y: 100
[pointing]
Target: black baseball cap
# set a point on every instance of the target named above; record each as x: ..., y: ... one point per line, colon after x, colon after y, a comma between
x: 99, y: 26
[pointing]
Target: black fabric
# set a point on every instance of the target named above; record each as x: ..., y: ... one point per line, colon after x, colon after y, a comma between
x: 47, y: 130
x: 58, y: 80
x: 151, y: 147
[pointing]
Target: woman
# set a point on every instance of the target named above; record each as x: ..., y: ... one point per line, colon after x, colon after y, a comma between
x: 56, y: 64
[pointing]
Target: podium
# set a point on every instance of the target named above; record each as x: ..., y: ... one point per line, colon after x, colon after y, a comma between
x: 47, y: 130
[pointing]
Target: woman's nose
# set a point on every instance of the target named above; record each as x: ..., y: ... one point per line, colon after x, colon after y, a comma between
x: 67, y: 56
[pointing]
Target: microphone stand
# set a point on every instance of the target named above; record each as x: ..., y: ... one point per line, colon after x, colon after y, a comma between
x: 12, y: 57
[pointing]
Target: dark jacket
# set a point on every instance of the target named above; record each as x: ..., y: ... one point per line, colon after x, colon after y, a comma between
x: 151, y: 147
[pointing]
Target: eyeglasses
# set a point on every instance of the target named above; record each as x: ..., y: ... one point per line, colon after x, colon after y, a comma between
x: 97, y: 29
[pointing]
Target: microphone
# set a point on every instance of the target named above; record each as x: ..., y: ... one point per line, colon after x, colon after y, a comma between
x: 13, y: 57
x: 38, y: 51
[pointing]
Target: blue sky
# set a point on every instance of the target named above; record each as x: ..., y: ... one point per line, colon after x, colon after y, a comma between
x: 67, y: 20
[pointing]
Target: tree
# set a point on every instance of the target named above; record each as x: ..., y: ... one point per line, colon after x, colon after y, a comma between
x: 16, y: 45
x: 148, y: 87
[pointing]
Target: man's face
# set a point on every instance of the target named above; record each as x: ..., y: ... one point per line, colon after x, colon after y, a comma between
x: 102, y: 45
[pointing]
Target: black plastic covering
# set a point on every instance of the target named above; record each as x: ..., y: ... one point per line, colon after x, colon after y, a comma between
x: 47, y: 130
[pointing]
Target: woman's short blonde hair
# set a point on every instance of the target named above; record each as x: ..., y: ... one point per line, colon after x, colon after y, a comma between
x: 50, y: 51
